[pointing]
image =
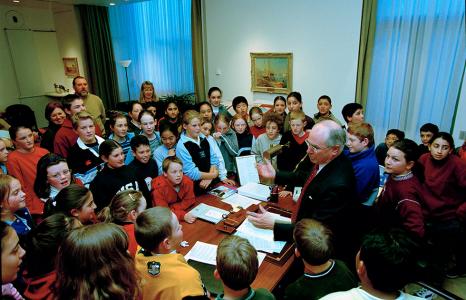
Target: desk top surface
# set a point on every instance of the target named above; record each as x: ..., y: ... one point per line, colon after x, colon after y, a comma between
x: 269, y: 274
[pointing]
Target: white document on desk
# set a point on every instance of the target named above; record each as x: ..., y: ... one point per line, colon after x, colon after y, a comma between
x: 208, y: 213
x: 246, y: 168
x: 236, y: 200
x: 261, y: 239
x: 207, y: 253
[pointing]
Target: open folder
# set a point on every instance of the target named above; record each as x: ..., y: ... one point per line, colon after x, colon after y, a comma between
x: 249, y: 179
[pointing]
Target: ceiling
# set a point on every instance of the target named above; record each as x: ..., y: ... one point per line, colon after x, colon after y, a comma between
x: 55, y: 3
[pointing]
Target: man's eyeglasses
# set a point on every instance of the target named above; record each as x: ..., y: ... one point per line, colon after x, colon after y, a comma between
x: 315, y: 148
x: 59, y: 174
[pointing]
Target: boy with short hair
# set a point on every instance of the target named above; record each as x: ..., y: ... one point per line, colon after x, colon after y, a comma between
x: 83, y: 156
x: 273, y: 125
x: 426, y: 132
x: 164, y: 273
x: 353, y: 113
x: 237, y: 267
x: 360, y: 143
x: 384, y: 264
x: 66, y: 137
x: 173, y: 189
x: 240, y: 105
x: 391, y: 137
x: 322, y: 275
x: 143, y: 163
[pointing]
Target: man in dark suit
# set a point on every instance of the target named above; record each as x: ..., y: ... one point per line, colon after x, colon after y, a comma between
x: 328, y: 193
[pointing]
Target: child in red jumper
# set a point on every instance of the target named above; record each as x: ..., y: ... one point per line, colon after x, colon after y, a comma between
x: 22, y: 164
x: 173, y: 189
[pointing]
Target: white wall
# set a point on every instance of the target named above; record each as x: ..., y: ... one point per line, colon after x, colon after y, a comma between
x: 69, y: 36
x: 322, y: 35
x: 49, y: 48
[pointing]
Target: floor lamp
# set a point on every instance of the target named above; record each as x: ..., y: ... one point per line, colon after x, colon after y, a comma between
x: 125, y: 64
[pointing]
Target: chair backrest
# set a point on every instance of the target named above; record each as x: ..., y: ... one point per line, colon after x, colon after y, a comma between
x: 21, y: 115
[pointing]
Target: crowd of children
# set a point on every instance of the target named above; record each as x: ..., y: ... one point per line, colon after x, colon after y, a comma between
x: 84, y: 207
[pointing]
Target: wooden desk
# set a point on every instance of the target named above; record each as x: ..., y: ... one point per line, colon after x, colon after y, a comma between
x: 269, y: 274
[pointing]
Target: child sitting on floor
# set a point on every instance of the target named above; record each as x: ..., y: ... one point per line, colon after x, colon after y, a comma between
x: 173, y: 189
x: 322, y: 275
x: 237, y: 266
x: 164, y: 273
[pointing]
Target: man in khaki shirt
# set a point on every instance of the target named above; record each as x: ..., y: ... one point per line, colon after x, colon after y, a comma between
x: 93, y: 103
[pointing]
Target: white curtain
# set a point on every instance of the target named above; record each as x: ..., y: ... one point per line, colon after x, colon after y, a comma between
x: 156, y: 36
x: 417, y: 65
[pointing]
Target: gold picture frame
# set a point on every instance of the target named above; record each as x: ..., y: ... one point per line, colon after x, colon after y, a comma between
x: 271, y: 72
x: 71, y: 66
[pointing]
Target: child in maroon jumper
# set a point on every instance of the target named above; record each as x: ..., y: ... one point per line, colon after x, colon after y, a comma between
x: 173, y: 189
x: 399, y: 204
x: 445, y: 197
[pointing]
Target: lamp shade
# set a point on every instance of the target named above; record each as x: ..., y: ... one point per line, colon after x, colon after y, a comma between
x: 125, y: 63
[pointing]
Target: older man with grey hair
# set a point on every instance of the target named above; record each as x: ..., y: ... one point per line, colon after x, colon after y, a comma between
x: 328, y: 193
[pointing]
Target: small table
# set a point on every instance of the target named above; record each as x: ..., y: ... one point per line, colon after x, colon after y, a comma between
x: 269, y: 274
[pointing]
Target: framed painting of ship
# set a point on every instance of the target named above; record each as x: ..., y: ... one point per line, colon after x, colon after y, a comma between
x: 271, y: 72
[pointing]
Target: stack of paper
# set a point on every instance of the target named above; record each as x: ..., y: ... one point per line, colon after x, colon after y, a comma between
x: 261, y: 239
x: 207, y: 253
x: 255, y: 190
x: 237, y: 200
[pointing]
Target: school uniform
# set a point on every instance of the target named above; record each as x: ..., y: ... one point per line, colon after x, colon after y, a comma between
x: 366, y: 170
x: 159, y: 155
x: 167, y: 276
x: 262, y: 144
x: 309, y: 123
x: 290, y: 156
x: 133, y: 127
x: 108, y: 182
x: 319, y: 118
x: 259, y: 294
x: 221, y: 109
x: 23, y: 166
x: 145, y: 172
x: 228, y: 145
x: 256, y: 131
x: 84, y: 160
x: 222, y: 171
x: 245, y: 142
x: 126, y: 146
x: 178, y: 200
x: 314, y: 286
x: 399, y: 204
x: 197, y: 156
